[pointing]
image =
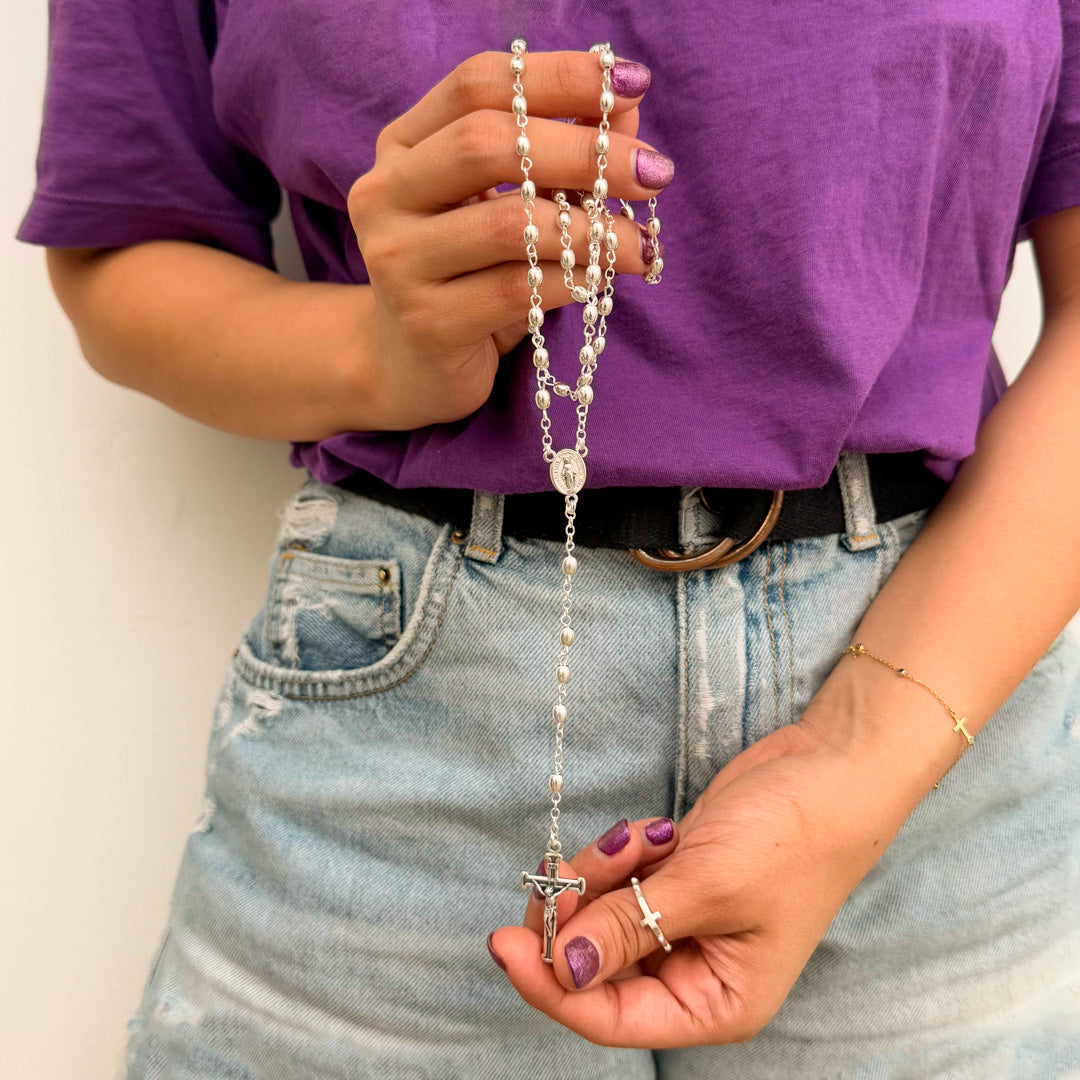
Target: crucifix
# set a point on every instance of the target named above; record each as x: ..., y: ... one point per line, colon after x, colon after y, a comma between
x: 551, y: 885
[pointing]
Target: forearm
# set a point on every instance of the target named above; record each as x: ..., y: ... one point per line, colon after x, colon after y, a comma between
x: 982, y: 591
x: 223, y: 340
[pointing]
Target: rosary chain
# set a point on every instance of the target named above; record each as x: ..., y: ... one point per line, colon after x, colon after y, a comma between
x: 595, y: 310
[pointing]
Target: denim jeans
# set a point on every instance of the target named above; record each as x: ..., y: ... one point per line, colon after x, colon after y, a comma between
x: 377, y: 779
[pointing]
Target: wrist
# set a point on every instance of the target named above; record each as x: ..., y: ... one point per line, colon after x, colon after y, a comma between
x: 885, y: 722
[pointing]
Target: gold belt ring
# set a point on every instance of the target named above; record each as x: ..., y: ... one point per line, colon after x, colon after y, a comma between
x: 719, y: 554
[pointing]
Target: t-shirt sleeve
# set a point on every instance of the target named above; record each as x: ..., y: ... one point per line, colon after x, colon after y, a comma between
x: 129, y: 146
x: 1055, y: 184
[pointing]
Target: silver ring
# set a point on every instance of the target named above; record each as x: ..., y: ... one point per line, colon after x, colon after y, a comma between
x: 650, y: 916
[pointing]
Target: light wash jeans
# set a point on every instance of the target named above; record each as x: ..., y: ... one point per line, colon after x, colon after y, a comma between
x: 377, y: 780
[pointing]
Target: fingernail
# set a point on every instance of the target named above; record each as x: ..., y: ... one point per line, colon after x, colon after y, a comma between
x: 615, y: 839
x: 583, y: 959
x: 653, y: 170
x: 494, y: 955
x: 660, y: 831
x: 628, y: 79
x: 651, y: 246
x: 542, y: 868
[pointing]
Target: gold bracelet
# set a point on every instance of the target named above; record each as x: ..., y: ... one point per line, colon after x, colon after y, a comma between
x: 858, y: 649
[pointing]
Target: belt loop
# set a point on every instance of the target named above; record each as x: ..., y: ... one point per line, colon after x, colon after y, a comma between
x: 860, y: 514
x: 697, y: 523
x: 485, y: 529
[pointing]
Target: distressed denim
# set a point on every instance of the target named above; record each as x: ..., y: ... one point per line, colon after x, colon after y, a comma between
x: 377, y: 779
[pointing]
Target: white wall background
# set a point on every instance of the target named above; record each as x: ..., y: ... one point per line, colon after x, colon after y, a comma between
x: 134, y: 546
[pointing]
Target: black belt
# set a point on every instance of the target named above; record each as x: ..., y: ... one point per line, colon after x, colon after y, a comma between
x: 648, y: 517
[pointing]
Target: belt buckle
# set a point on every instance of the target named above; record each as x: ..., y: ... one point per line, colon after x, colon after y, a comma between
x: 720, y: 554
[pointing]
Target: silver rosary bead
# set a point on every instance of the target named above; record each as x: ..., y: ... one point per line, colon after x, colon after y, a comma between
x: 543, y: 399
x: 536, y: 317
x: 569, y: 565
x: 581, y: 295
x: 565, y: 220
x: 517, y: 64
x: 528, y: 190
x: 599, y: 187
x: 604, y: 304
x: 603, y: 143
x: 562, y: 673
x: 596, y: 232
x: 607, y: 58
x: 593, y: 274
x: 585, y: 394
x: 535, y: 275
x: 587, y: 354
x: 653, y: 226
x: 562, y: 389
x: 611, y: 240
x: 522, y: 146
x: 558, y: 713
x: 566, y: 637
x: 607, y: 101
x: 532, y: 233
x: 518, y: 105
x: 588, y: 313
x: 540, y: 357
x: 555, y: 782
x: 567, y: 259
x: 599, y: 342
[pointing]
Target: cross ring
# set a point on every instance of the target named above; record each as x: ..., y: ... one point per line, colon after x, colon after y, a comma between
x: 650, y: 916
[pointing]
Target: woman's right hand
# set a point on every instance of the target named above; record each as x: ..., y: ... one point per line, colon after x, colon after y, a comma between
x: 445, y: 252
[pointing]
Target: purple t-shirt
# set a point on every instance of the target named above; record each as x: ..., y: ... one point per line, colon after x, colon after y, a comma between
x: 851, y: 181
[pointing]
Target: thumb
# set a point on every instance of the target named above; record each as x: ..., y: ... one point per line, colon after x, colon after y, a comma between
x: 612, y: 932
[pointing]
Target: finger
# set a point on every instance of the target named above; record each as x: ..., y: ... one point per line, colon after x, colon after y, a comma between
x: 563, y: 83
x: 607, y: 863
x: 485, y: 233
x: 648, y: 1011
x: 479, y: 150
x: 624, y: 122
x: 612, y: 932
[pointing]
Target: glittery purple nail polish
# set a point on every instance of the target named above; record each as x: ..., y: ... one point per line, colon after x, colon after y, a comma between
x: 494, y: 955
x: 651, y: 246
x: 615, y: 839
x: 653, y: 170
x: 660, y: 831
x: 629, y: 80
x: 542, y: 868
x: 583, y: 959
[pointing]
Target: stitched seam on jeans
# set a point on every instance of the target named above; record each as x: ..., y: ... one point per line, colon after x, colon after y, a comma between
x: 772, y: 641
x: 787, y: 623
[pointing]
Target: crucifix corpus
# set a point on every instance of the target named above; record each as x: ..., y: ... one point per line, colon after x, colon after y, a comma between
x: 551, y: 885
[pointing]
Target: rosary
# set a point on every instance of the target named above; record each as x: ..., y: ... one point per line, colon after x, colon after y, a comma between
x: 567, y: 467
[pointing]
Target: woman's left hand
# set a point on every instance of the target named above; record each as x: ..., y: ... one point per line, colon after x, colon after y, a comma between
x: 761, y: 865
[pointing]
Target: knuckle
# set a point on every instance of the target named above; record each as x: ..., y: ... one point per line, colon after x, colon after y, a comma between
x: 478, y: 135
x: 567, y: 75
x: 506, y: 224
x: 514, y: 291
x: 470, y: 81
x: 624, y: 927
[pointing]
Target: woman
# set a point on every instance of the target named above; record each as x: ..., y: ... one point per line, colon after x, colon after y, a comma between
x: 851, y: 186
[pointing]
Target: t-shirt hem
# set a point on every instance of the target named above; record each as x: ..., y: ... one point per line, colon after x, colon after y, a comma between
x: 63, y: 221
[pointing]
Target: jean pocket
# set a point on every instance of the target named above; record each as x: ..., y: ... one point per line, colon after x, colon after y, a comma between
x: 347, y: 622
x: 328, y: 612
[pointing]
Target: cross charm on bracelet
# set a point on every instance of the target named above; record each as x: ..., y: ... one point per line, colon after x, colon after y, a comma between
x: 551, y: 885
